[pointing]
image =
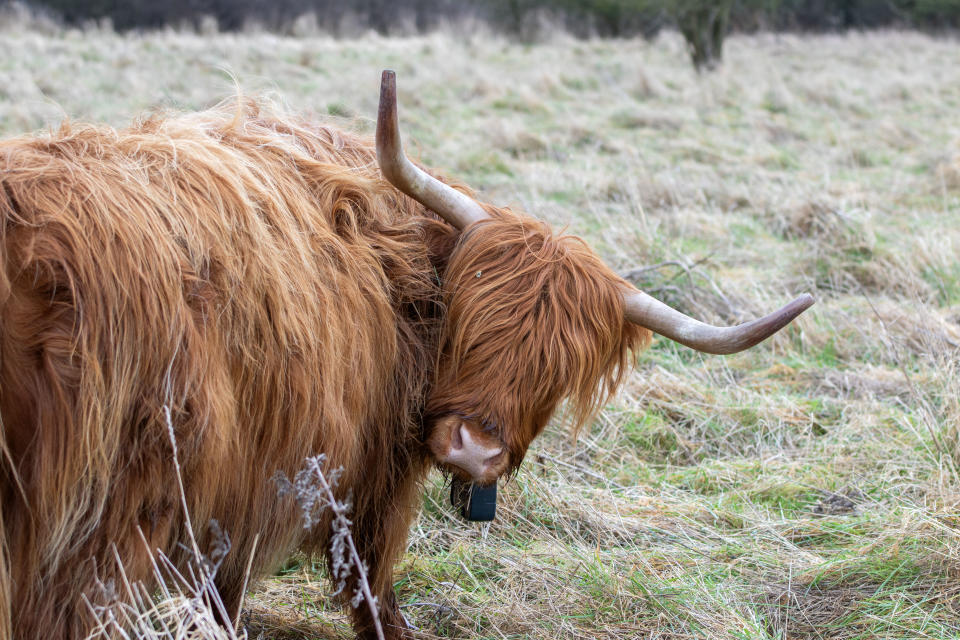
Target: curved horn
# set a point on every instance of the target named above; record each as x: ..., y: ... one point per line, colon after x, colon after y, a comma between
x: 649, y: 312
x: 461, y: 210
x: 448, y: 203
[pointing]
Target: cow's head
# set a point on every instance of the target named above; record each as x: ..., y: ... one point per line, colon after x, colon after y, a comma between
x: 532, y: 318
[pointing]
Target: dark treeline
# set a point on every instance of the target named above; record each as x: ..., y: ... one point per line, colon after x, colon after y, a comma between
x: 384, y: 16
x: 703, y: 23
x: 605, y: 18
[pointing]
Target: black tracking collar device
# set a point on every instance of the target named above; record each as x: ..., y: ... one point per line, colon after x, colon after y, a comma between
x: 476, y: 503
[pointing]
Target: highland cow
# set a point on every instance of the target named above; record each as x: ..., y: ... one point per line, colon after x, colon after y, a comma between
x: 279, y: 293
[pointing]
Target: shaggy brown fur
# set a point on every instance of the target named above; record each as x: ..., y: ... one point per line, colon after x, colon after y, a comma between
x: 255, y: 274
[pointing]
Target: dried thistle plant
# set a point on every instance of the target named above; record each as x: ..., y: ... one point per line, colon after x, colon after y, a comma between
x: 313, y: 492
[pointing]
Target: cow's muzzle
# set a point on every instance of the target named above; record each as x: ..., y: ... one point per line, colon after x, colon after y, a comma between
x: 471, y: 453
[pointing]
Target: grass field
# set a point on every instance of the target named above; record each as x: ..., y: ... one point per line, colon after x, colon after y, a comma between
x: 808, y: 488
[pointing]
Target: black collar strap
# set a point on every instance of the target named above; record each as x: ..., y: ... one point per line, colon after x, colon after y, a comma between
x: 475, y: 503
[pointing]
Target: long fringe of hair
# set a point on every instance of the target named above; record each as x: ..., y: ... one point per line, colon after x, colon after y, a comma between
x: 533, y: 318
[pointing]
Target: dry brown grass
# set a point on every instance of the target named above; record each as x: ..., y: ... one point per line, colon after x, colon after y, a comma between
x: 712, y: 497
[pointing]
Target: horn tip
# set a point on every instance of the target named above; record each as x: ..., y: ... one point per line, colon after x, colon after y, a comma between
x: 804, y: 301
x: 388, y: 84
x: 387, y: 128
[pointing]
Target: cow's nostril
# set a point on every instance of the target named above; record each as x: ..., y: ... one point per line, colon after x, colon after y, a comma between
x: 456, y: 437
x: 493, y: 459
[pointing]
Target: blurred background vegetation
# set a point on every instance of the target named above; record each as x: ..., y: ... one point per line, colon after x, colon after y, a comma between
x: 704, y: 23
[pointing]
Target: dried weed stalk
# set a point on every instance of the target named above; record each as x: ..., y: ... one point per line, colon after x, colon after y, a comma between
x: 313, y: 492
